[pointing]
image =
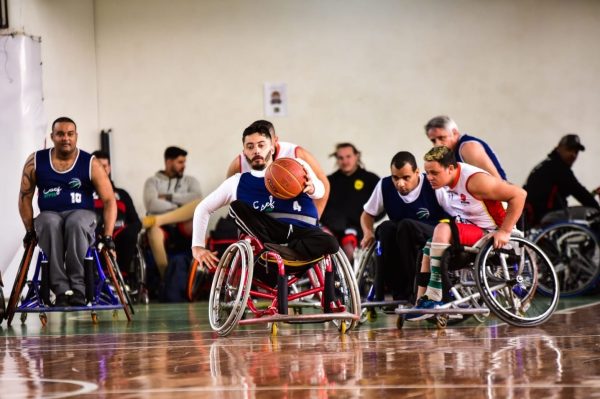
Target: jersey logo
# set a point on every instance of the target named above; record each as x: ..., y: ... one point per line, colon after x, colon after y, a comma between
x: 52, y: 192
x: 423, y: 213
x: 463, y: 199
x: 358, y: 184
x: 75, y: 183
x: 266, y: 207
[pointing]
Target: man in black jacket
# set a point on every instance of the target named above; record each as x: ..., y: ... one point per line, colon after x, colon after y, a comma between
x: 552, y: 181
x: 350, y: 188
x: 128, y: 223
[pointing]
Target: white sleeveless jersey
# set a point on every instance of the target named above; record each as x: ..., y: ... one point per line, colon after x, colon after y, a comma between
x: 284, y: 150
x: 459, y: 202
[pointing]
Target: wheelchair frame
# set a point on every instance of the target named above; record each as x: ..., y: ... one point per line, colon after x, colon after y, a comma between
x: 564, y: 243
x: 508, y: 280
x: 234, y: 290
x: 99, y: 293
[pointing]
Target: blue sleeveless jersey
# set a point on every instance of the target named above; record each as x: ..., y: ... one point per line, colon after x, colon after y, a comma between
x: 488, y: 150
x: 299, y: 211
x: 424, y: 209
x: 64, y: 191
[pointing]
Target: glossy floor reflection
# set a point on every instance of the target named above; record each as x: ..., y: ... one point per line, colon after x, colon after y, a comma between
x: 169, y: 351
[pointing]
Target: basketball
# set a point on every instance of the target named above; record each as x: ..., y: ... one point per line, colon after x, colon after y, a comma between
x: 285, y: 178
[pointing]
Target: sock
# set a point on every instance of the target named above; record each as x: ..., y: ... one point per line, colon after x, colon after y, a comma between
x: 434, y: 288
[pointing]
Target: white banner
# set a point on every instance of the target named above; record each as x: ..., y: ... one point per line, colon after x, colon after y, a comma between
x: 22, y: 128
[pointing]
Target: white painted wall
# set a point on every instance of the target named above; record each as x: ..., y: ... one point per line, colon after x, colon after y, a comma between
x: 519, y: 74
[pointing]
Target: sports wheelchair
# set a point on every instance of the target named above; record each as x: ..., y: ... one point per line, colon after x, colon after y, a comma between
x: 102, y: 292
x: 255, y: 276
x: 517, y: 283
x: 570, y: 239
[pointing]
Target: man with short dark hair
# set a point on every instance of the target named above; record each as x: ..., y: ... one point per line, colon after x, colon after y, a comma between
x: 166, y: 191
x: 127, y: 225
x: 351, y: 185
x: 473, y: 197
x: 66, y: 178
x: 552, y: 181
x: 292, y: 222
x: 413, y: 209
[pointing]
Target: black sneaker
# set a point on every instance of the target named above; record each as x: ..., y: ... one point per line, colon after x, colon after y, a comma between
x: 62, y: 301
x: 77, y: 299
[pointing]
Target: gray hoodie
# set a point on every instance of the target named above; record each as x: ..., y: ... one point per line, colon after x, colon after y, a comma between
x: 183, y: 190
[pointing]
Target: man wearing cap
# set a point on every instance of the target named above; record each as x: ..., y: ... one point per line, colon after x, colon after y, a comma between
x: 552, y: 181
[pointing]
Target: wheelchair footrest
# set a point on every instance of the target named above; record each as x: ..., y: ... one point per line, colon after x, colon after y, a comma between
x: 312, y: 318
x: 67, y: 309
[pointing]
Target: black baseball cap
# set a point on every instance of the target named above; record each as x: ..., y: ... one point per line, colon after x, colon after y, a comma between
x: 571, y: 141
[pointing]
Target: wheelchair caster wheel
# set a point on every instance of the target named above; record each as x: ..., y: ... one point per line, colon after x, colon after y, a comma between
x: 43, y: 319
x: 363, y: 316
x: 442, y: 321
x: 23, y: 318
x: 94, y: 317
x: 400, y: 322
x: 371, y: 314
x: 297, y: 311
x: 273, y: 328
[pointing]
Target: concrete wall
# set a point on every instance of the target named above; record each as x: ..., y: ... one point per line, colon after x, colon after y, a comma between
x: 519, y: 74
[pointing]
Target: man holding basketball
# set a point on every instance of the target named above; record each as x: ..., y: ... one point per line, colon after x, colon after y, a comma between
x: 291, y: 222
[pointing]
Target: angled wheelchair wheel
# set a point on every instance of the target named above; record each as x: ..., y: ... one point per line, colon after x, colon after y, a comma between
x: 140, y: 270
x: 231, y: 287
x: 365, y: 271
x: 575, y: 254
x: 509, y: 281
x: 346, y: 290
x: 118, y: 284
x: 20, y: 281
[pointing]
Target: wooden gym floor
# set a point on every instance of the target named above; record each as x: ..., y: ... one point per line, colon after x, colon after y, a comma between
x: 169, y: 351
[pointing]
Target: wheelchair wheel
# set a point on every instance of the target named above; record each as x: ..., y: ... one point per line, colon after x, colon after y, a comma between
x: 365, y: 272
x: 346, y: 290
x: 13, y: 301
x: 118, y: 283
x: 575, y: 254
x: 508, y: 280
x: 139, y: 270
x: 231, y: 287
x: 198, y: 283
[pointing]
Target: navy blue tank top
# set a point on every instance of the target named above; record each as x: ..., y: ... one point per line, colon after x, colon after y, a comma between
x: 64, y: 191
x: 425, y: 208
x: 488, y: 150
x: 299, y: 211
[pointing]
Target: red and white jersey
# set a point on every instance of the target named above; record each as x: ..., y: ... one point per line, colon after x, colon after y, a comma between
x: 284, y: 150
x: 459, y: 202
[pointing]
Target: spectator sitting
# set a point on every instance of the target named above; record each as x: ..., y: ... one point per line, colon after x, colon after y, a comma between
x: 350, y: 188
x: 552, y: 181
x: 127, y: 226
x: 164, y: 193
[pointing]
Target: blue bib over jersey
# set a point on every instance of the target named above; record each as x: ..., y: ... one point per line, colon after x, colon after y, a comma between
x: 425, y: 208
x: 64, y: 191
x: 488, y: 150
x: 299, y: 211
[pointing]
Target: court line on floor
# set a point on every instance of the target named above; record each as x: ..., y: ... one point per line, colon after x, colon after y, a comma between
x: 86, y: 387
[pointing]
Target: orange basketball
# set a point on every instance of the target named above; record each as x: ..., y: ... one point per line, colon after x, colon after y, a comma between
x: 285, y: 178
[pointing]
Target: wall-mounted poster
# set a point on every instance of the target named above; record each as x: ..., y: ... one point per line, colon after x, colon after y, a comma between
x: 275, y: 99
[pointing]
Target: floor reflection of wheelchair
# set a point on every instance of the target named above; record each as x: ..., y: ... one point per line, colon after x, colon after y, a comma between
x: 517, y: 284
x: 570, y: 239
x: 254, y: 276
x: 105, y: 288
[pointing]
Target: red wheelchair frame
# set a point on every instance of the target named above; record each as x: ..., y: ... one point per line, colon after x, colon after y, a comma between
x: 234, y: 289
